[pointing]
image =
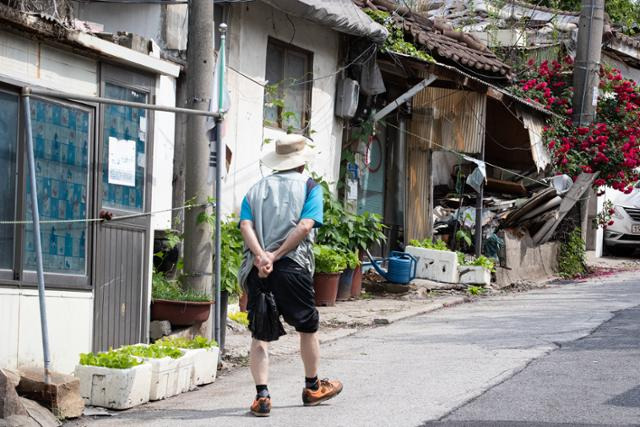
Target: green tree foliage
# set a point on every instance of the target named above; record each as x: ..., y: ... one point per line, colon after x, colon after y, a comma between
x: 623, y: 13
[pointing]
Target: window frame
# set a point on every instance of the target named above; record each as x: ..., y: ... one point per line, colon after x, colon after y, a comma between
x: 305, y: 118
x: 19, y: 276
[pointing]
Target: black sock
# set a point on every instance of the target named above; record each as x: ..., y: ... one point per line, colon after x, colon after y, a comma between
x: 262, y: 391
x: 311, y: 383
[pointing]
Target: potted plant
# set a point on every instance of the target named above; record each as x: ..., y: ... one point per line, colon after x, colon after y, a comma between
x: 203, y: 353
x: 477, y: 272
x: 329, y: 265
x: 113, y: 380
x: 170, y: 372
x: 178, y: 306
x: 365, y: 231
x: 346, y: 278
x: 348, y: 232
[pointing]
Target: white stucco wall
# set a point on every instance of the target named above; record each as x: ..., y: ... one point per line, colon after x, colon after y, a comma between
x: 70, y: 316
x: 31, y: 62
x: 163, y: 145
x: 249, y: 28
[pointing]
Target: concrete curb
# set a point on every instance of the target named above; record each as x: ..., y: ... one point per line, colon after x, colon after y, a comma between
x: 394, y: 317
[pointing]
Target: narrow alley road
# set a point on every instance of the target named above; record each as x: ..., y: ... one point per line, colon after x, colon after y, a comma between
x: 566, y: 354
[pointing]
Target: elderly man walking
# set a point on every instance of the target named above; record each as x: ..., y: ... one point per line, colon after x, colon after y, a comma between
x: 277, y: 221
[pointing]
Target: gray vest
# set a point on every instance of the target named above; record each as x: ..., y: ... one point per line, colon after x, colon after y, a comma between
x: 276, y: 204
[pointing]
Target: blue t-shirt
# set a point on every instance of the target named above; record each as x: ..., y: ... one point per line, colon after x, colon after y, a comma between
x: 312, y: 208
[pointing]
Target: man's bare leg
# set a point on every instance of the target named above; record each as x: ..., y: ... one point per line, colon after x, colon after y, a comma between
x: 310, y: 353
x: 259, y: 361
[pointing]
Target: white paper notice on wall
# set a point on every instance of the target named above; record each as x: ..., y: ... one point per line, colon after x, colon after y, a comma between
x: 122, y: 162
x: 352, y: 189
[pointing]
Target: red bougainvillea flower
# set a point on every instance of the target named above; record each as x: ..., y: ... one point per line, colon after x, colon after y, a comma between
x: 609, y: 146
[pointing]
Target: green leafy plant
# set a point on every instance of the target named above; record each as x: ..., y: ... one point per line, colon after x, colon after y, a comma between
x: 439, y: 245
x: 344, y: 230
x: 571, y: 256
x: 483, y: 261
x: 181, y: 342
x: 240, y: 317
x: 396, y: 41
x: 328, y: 260
x: 231, y: 251
x: 165, y: 289
x: 352, y: 259
x: 476, y: 290
x: 152, y: 351
x: 110, y: 359
x: 464, y: 236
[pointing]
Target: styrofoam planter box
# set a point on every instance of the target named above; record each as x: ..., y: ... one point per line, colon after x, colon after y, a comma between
x: 205, y: 364
x: 475, y: 275
x: 440, y: 266
x: 169, y: 377
x: 114, y: 388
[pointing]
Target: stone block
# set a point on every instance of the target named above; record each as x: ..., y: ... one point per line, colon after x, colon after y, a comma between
x: 159, y: 329
x: 10, y: 404
x: 114, y: 388
x: 61, y: 395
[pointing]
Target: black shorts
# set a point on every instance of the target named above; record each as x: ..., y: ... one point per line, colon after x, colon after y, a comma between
x: 292, y: 288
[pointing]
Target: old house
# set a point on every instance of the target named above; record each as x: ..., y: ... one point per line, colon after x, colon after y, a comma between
x: 97, y: 273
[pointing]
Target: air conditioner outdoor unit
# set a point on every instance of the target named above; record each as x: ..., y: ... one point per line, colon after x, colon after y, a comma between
x: 347, y: 92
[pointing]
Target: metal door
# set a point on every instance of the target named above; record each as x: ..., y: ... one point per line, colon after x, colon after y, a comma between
x: 124, y: 188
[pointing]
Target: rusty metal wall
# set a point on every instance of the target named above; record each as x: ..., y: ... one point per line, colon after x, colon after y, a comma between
x: 441, y: 119
x: 457, y: 117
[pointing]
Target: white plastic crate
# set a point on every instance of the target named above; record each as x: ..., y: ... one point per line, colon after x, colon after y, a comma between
x: 475, y: 275
x: 205, y: 365
x: 440, y: 266
x: 114, y: 388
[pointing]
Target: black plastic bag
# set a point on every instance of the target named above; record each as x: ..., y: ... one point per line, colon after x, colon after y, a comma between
x: 264, y: 318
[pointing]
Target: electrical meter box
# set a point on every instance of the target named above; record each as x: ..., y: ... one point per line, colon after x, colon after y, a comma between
x: 347, y: 93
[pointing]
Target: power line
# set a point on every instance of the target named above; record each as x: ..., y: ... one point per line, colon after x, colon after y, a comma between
x: 117, y: 218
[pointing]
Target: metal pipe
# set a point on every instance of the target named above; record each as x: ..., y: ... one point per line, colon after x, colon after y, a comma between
x: 36, y: 237
x: 220, y: 162
x: 101, y: 100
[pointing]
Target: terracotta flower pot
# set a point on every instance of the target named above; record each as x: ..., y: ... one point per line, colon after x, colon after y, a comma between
x: 180, y: 313
x: 326, y: 288
x: 344, y: 285
x: 356, y: 282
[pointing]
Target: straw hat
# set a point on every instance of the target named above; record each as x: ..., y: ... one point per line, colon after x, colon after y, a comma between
x: 291, y: 151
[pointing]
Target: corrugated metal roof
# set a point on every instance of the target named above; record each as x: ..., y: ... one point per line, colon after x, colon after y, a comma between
x: 539, y: 152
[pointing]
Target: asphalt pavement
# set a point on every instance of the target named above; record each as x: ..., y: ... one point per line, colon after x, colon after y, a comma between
x: 564, y: 355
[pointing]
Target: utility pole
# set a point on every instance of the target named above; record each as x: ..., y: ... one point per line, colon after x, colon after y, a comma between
x: 586, y: 69
x: 198, y: 242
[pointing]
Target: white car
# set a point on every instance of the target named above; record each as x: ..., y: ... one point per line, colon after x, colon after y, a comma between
x: 623, y: 237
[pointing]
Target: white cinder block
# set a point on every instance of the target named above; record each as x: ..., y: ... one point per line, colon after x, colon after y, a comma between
x: 114, y: 388
x: 205, y: 365
x: 475, y: 275
x: 440, y: 266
